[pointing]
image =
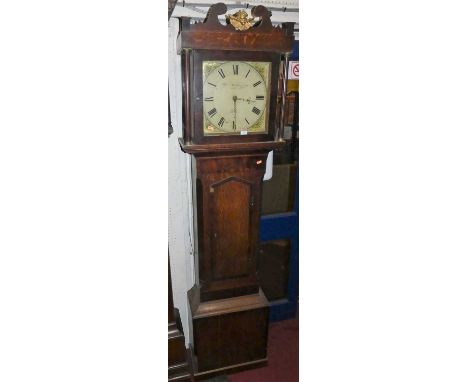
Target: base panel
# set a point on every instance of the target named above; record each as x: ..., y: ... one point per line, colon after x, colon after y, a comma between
x: 203, y: 376
x: 229, y: 334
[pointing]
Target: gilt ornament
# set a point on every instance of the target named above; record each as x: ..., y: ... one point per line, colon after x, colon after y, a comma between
x: 241, y: 20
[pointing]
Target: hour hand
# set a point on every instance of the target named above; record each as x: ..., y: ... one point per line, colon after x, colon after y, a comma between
x: 248, y: 100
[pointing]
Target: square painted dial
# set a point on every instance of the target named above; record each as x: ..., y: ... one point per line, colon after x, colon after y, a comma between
x: 235, y: 97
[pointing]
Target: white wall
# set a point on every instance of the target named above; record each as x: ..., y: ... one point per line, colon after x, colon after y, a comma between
x: 179, y: 182
x: 180, y: 217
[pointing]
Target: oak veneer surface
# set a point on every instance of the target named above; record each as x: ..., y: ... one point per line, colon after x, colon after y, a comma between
x: 211, y: 40
x: 232, y: 220
x: 229, y: 332
x: 211, y: 34
x: 236, y: 147
x: 231, y: 339
x: 228, y: 197
x: 229, y: 311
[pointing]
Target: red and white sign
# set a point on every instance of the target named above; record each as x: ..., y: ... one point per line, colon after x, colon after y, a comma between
x: 293, y: 72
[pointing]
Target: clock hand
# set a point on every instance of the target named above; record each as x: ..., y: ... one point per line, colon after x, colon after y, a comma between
x: 234, y: 98
x: 248, y: 100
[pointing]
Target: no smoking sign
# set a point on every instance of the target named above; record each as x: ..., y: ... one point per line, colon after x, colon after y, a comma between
x: 293, y: 70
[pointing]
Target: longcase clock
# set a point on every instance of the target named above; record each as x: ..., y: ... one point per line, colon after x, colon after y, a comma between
x: 233, y: 79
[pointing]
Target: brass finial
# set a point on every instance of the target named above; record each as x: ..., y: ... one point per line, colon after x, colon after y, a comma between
x: 240, y: 20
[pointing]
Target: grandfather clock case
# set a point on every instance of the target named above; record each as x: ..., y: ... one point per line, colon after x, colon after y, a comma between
x: 233, y: 78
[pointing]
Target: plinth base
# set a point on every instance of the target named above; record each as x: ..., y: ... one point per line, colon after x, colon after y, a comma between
x: 229, y: 335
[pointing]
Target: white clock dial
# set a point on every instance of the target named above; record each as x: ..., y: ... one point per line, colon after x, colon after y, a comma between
x: 235, y: 97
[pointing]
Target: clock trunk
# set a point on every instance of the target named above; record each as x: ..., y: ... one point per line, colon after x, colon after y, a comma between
x: 227, y: 196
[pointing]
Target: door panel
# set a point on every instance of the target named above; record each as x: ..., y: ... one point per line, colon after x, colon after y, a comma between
x: 231, y: 228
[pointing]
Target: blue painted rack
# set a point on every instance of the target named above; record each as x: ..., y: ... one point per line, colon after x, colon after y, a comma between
x: 286, y: 226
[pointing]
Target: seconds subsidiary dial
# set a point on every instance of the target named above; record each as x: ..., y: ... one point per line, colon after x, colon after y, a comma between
x: 235, y: 97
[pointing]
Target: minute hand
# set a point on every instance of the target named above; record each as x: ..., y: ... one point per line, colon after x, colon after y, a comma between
x: 234, y: 98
